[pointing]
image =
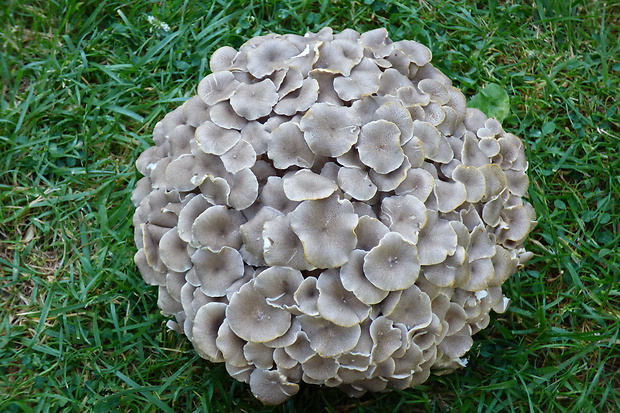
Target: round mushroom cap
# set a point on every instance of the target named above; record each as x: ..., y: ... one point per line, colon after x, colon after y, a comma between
x: 173, y: 251
x: 327, y: 209
x: 393, y: 264
x: 404, y: 214
x: 286, y: 147
x: 255, y: 100
x: 269, y: 56
x: 329, y: 339
x: 306, y: 185
x: 336, y: 304
x: 217, y: 227
x: 330, y: 130
x: 207, y: 322
x: 364, y: 81
x: 251, y: 318
x: 281, y: 246
x: 379, y: 146
x: 300, y: 99
x: 353, y: 279
x: 326, y: 230
x: 278, y: 285
x: 436, y: 242
x: 271, y: 387
x: 385, y: 337
x: 214, y: 139
x: 217, y: 87
x: 217, y: 271
x: 222, y: 59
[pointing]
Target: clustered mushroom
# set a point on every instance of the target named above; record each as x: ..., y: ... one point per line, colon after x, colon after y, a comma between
x: 328, y: 210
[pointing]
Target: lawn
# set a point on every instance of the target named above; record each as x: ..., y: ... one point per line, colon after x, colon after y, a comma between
x: 83, y: 84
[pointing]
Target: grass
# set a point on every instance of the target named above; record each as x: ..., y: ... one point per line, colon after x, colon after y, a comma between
x: 83, y: 84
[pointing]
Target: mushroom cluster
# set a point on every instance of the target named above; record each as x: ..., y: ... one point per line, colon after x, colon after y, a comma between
x: 327, y: 209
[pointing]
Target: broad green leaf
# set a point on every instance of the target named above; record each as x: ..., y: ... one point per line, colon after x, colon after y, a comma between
x: 493, y: 101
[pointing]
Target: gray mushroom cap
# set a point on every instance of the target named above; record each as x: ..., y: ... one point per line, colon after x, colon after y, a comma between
x: 253, y: 101
x: 517, y: 223
x: 307, y: 296
x: 327, y: 93
x: 231, y: 346
x: 327, y: 338
x: 217, y: 87
x: 451, y: 272
x: 456, y: 345
x: 217, y: 227
x: 259, y: 355
x: 252, y: 231
x: 150, y: 275
x: 256, y: 135
x: 253, y: 319
x: 216, y: 140
x: 287, y: 147
x: 239, y: 157
x: 330, y: 130
x: 151, y: 236
x: 288, y: 80
x: 320, y: 368
x: 182, y: 172
x: 379, y: 146
x: 495, y: 180
x: 196, y: 111
x: 281, y: 246
x: 364, y: 81
x: 222, y: 59
x: 173, y: 251
x: 353, y: 279
x: 391, y: 180
x: 489, y: 146
x: 194, y: 207
x: 207, y: 322
x: 339, y: 56
x: 419, y: 183
x: 169, y: 306
x: 300, y: 350
x: 391, y: 80
x: 306, y: 185
x: 404, y: 214
x: 243, y: 186
x: 278, y: 285
x: 271, y: 387
x: 474, y: 182
x: 356, y: 183
x: 417, y: 52
x: 450, y: 195
x: 385, y: 337
x: 216, y: 190
x: 377, y: 41
x: 300, y: 99
x: 223, y: 115
x: 217, y: 271
x: 471, y: 155
x: 285, y: 340
x: 369, y: 232
x: 394, y: 256
x: 413, y: 308
x: 398, y: 115
x: 337, y: 304
x: 436, y: 242
x: 326, y: 230
x: 269, y: 56
x: 437, y: 92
